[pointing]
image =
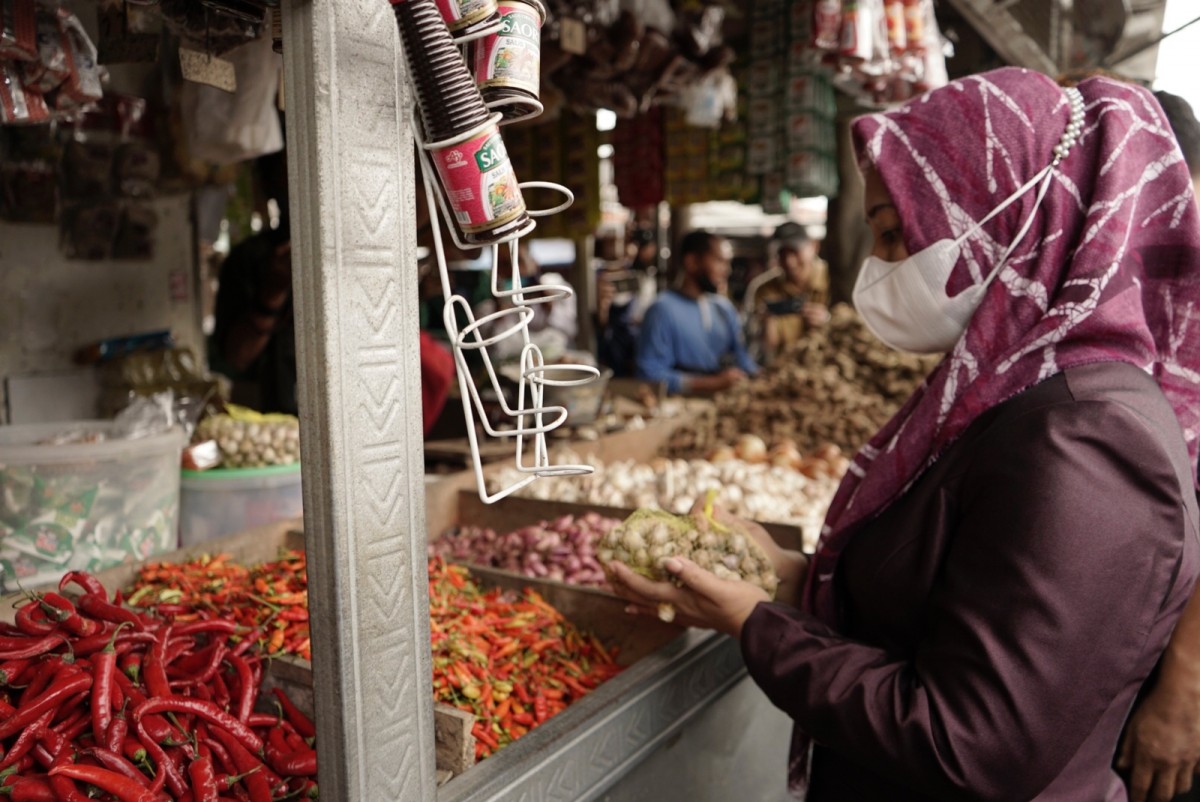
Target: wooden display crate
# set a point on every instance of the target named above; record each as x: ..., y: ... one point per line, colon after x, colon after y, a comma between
x: 515, y: 512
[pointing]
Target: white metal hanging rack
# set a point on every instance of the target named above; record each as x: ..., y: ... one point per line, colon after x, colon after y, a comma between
x: 532, y: 419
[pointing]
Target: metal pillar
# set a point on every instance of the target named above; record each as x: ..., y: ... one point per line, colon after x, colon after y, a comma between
x: 355, y: 289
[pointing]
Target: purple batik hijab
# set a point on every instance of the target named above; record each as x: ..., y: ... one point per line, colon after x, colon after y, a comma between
x: 1110, y: 270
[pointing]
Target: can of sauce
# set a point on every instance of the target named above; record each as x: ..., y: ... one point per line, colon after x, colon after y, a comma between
x: 462, y: 137
x: 467, y: 17
x: 507, y: 63
x: 481, y: 188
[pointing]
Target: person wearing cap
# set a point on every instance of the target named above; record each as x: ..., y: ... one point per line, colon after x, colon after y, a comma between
x: 1001, y: 570
x: 691, y: 338
x: 796, y: 298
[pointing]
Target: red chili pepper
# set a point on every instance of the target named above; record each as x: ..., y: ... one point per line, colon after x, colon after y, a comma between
x: 204, y: 781
x: 42, y: 756
x: 246, y: 763
x: 300, y: 763
x: 166, y: 772
x: 249, y: 639
x: 115, y: 762
x: 176, y: 648
x: 155, y: 666
x: 163, y: 732
x: 117, y: 730
x: 64, y: 790
x: 27, y: 740
x: 220, y: 754
x: 123, y: 788
x: 301, y: 722
x: 248, y: 690
x: 206, y: 710
x: 540, y: 712
x: 222, y: 625
x: 99, y: 607
x: 65, y: 685
x: 11, y: 671
x: 61, y: 608
x: 28, y: 789
x: 482, y: 734
x: 264, y: 721
x: 74, y: 730
x: 134, y: 696
x: 87, y: 582
x: 131, y: 666
x: 33, y: 647
x: 132, y: 749
x: 104, y: 665
x: 32, y: 620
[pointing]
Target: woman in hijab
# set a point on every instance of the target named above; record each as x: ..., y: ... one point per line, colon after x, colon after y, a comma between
x: 1004, y: 563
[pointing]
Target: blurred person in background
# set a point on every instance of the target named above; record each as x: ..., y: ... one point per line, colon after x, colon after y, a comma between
x: 622, y: 298
x: 792, y: 298
x: 691, y: 337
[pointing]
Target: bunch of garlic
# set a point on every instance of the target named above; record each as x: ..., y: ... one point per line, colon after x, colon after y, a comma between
x: 271, y: 440
x: 648, y: 537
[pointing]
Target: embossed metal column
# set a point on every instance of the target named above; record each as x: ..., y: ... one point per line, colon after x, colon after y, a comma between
x: 354, y: 255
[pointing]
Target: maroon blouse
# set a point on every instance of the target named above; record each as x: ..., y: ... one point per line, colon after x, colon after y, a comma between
x: 997, y: 621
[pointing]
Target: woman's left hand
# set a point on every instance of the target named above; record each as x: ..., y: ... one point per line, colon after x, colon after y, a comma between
x: 704, y: 600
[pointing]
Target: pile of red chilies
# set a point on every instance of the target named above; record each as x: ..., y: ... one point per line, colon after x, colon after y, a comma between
x: 98, y: 701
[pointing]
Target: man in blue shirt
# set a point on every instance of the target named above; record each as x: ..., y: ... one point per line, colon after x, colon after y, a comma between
x: 691, y: 337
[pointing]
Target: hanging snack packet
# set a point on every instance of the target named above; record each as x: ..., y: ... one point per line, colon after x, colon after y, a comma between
x: 49, y: 68
x: 83, y: 83
x: 17, y: 104
x: 18, y: 30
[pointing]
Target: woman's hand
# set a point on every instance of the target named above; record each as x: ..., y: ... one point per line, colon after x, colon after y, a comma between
x: 704, y: 600
x: 790, y: 566
x: 1161, y: 748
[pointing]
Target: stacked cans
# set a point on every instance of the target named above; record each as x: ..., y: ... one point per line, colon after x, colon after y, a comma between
x: 461, y: 135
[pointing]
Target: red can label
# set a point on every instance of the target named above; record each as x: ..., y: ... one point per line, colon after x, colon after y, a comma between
x: 461, y: 14
x: 512, y: 57
x: 480, y: 184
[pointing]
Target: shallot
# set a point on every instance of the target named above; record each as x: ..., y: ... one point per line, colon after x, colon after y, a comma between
x: 563, y: 549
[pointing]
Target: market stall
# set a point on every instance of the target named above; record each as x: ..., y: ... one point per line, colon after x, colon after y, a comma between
x: 394, y: 558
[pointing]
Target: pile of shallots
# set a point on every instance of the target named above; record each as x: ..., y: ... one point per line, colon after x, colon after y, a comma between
x: 563, y: 549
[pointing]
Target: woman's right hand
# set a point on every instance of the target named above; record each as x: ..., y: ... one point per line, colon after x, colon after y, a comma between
x: 790, y: 566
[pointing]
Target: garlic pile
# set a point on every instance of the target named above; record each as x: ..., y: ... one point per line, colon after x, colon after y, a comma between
x: 268, y: 440
x: 762, y: 492
x: 649, y: 537
x: 836, y: 385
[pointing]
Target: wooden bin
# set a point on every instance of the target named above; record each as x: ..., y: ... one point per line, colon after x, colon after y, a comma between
x: 515, y: 512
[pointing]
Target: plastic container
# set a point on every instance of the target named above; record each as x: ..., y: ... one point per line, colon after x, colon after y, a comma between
x: 86, y: 506
x: 227, y: 501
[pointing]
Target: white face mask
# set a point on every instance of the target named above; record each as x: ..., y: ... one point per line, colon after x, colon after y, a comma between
x: 905, y: 303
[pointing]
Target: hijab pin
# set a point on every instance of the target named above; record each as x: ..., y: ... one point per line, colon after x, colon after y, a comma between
x: 1074, y: 127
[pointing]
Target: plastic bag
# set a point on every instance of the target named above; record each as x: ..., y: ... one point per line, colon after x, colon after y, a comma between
x: 145, y: 417
x: 18, y: 105
x: 223, y: 127
x: 18, y: 30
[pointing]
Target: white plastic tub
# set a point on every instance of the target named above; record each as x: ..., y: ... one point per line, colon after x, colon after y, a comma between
x: 83, y: 506
x: 224, y: 502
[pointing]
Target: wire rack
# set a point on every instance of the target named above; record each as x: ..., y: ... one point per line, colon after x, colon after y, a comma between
x: 530, y: 419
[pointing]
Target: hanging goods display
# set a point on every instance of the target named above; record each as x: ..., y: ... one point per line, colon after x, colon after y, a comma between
x: 470, y: 185
x: 507, y: 63
x: 459, y: 135
x: 469, y: 19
